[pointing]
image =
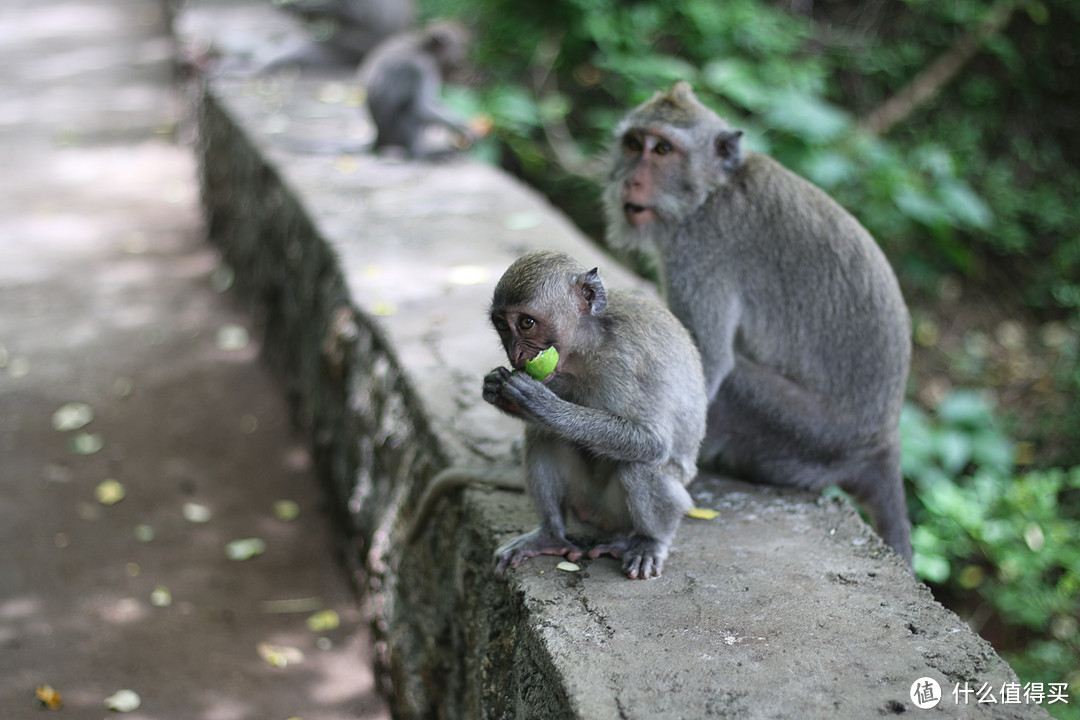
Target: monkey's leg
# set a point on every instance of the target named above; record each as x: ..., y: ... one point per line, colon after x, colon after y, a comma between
x: 770, y: 430
x: 657, y: 503
x: 776, y: 431
x: 550, y: 466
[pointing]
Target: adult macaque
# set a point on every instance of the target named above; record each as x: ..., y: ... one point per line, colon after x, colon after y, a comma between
x: 803, y: 332
x: 613, y: 433
x: 403, y: 77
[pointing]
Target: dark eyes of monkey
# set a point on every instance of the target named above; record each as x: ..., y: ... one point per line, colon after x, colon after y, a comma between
x: 634, y: 145
x: 524, y: 323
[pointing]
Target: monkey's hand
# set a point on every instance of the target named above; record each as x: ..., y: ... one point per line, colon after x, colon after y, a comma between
x: 516, y: 393
x: 643, y: 557
x: 540, y: 541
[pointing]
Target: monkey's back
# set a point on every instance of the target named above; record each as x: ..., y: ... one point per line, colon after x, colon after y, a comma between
x: 817, y: 300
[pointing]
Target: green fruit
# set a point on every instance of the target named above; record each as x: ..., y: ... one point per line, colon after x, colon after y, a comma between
x: 543, y: 364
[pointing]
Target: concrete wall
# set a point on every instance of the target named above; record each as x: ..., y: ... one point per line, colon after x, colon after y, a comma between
x: 370, y: 279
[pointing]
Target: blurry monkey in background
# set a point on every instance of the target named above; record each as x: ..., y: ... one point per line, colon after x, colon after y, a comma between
x: 403, y: 78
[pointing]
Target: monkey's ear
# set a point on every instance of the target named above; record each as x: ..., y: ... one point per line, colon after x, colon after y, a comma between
x: 591, y: 295
x: 729, y: 150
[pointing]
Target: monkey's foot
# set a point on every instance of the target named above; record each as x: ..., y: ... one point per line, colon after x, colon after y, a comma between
x: 529, y: 545
x: 642, y: 557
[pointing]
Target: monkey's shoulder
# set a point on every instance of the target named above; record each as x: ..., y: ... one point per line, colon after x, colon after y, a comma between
x: 636, y: 315
x: 647, y: 346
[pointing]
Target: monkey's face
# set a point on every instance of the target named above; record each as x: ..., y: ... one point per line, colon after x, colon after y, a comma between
x: 649, y: 160
x: 524, y: 335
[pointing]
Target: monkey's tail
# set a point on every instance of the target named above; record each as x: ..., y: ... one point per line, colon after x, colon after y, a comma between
x: 504, y: 477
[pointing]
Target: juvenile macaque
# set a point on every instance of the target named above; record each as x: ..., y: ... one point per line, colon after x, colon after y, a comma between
x: 612, y: 435
x: 803, y: 332
x: 403, y: 77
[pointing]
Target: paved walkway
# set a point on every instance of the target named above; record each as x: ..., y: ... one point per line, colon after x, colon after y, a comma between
x: 128, y: 368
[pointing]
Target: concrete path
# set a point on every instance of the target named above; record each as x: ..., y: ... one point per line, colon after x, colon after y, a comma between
x: 127, y: 368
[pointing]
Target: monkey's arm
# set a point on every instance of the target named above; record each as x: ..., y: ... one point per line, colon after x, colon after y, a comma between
x: 429, y: 107
x: 600, y: 431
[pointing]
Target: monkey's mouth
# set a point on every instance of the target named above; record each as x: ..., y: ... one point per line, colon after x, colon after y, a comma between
x: 638, y: 215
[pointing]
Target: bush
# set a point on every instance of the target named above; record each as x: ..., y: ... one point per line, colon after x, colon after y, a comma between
x: 1009, y: 539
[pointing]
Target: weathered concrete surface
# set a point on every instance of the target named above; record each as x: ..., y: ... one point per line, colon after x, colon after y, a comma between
x: 107, y: 297
x: 372, y: 279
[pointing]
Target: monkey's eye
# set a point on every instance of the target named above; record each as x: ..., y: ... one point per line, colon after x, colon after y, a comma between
x: 500, y: 324
x: 632, y: 143
x: 526, y: 322
x: 662, y: 148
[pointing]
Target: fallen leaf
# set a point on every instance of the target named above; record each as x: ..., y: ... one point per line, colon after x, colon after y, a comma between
x: 332, y: 93
x: 123, y: 387
x: 323, y: 620
x: 286, y: 510
x: 84, y: 443
x: 48, y: 697
x: 280, y: 655
x: 160, y: 596
x: 702, y: 513
x: 124, y: 701
x: 384, y: 309
x: 19, y: 367
x: 72, y: 416
x: 245, y: 548
x: 196, y: 513
x: 222, y: 278
x: 524, y: 220
x: 109, y: 492
x: 469, y: 275
x: 233, y: 337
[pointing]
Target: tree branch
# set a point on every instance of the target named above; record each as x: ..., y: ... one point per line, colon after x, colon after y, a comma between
x: 927, y: 84
x: 567, y: 152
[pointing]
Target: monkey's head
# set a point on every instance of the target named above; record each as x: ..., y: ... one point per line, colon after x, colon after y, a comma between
x: 546, y: 299
x: 668, y: 155
x: 447, y: 42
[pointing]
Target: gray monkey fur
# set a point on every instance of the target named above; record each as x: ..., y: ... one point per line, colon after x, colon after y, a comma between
x: 611, y: 436
x: 803, y: 331
x: 403, y: 79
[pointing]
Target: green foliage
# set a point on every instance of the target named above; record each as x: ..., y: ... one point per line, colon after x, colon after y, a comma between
x: 758, y: 65
x: 982, y: 172
x: 1011, y: 539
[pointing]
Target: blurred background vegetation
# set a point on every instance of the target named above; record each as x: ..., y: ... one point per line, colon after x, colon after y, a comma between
x: 950, y: 129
